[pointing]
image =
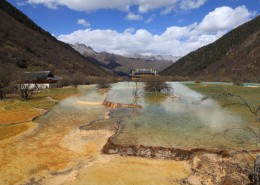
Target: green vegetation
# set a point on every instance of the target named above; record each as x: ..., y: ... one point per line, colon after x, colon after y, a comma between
x: 15, y: 110
x: 236, y: 52
x: 45, y: 99
x: 250, y: 94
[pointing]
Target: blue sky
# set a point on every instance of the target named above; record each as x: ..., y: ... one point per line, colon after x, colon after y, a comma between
x: 169, y: 27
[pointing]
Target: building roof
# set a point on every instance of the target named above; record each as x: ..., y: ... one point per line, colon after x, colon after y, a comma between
x: 143, y: 72
x: 40, y: 76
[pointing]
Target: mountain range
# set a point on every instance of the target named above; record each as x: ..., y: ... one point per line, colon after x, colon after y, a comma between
x: 123, y: 64
x: 25, y: 45
x: 235, y: 56
x: 169, y: 58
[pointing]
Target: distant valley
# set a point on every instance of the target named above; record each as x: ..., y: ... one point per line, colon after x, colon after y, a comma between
x: 122, y: 65
x: 26, y: 46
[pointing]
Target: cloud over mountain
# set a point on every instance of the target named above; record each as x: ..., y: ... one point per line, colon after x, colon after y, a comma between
x: 174, y: 40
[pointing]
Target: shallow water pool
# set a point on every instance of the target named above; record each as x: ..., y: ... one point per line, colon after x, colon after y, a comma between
x: 180, y: 120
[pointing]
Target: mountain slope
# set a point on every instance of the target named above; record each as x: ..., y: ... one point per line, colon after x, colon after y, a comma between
x: 30, y: 48
x: 235, y: 56
x: 122, y: 65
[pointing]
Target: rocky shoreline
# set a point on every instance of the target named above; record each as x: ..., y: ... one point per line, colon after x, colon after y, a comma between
x: 120, y: 105
x: 208, y: 166
x: 158, y: 152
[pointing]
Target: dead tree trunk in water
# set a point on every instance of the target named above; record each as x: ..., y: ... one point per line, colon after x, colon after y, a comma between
x: 255, y: 110
x: 256, y: 175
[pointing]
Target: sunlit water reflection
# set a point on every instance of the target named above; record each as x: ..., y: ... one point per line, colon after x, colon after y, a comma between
x: 181, y: 120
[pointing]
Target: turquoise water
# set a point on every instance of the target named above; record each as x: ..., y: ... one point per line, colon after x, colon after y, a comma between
x: 180, y: 122
x: 251, y: 84
x: 69, y: 113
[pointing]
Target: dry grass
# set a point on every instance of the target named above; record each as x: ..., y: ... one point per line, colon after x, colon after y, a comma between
x: 15, y: 110
x: 18, y: 115
x: 10, y: 131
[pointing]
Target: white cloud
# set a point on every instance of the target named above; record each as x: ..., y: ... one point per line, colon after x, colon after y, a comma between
x: 168, y: 9
x: 129, y: 30
x: 124, y: 5
x: 83, y: 22
x: 150, y: 19
x: 174, y: 40
x: 225, y: 18
x: 191, y: 4
x: 133, y: 17
x: 83, y: 5
x: 147, y: 5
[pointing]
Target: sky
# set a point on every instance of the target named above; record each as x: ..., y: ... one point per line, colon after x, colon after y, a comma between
x: 147, y: 27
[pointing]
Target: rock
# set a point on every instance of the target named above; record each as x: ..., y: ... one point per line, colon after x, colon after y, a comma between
x: 120, y: 105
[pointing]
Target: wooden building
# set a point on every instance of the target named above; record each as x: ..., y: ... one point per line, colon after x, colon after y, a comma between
x: 42, y: 79
x: 138, y: 73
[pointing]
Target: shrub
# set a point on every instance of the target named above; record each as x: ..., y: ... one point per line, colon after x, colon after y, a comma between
x: 21, y: 63
x: 7, y: 77
x: 63, y: 82
x: 238, y: 83
x: 75, y: 80
x: 103, y: 83
x: 156, y: 85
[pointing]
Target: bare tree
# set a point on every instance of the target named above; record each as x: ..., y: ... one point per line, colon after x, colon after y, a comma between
x: 156, y: 85
x: 103, y: 83
x: 4, y: 83
x: 253, y: 109
x: 6, y: 79
x: 136, y: 90
x: 254, y: 177
x: 75, y: 80
x: 25, y: 88
x: 63, y: 82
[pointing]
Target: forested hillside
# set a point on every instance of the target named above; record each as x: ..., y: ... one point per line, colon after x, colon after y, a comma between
x: 235, y: 56
x: 26, y: 46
